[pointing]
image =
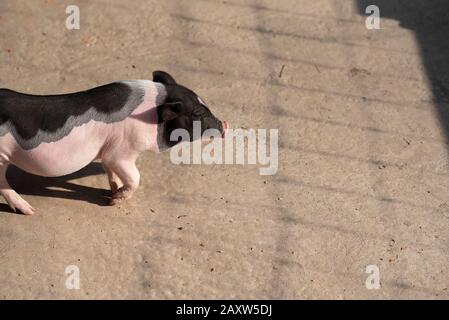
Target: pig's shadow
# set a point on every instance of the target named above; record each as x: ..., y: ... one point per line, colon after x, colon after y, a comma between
x: 60, y: 187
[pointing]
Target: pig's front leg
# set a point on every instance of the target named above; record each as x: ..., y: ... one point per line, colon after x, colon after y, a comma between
x: 114, y: 181
x: 15, y: 201
x: 128, y: 174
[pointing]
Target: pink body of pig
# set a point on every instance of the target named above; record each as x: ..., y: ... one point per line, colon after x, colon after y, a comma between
x: 117, y: 144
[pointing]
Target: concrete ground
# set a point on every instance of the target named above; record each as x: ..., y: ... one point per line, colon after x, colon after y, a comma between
x: 363, y: 156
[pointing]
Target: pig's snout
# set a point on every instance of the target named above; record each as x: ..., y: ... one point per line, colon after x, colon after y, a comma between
x: 225, y: 128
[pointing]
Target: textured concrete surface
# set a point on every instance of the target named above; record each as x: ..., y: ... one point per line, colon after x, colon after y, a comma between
x: 363, y: 158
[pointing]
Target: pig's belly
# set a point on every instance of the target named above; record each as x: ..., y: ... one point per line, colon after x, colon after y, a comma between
x: 70, y: 154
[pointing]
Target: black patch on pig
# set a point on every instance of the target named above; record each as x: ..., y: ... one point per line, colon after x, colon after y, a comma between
x: 33, y: 119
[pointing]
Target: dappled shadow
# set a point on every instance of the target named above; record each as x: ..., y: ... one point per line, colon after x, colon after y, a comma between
x: 60, y: 187
x: 429, y: 20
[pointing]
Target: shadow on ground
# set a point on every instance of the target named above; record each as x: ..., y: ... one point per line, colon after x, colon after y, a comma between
x: 430, y: 22
x: 59, y: 187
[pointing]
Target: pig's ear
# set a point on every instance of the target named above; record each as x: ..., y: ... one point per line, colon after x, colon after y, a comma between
x: 169, y: 111
x: 163, y: 77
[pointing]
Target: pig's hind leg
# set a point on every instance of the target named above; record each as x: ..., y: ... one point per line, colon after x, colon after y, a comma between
x: 15, y: 201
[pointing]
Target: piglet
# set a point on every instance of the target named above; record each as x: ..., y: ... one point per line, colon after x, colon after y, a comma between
x: 55, y: 135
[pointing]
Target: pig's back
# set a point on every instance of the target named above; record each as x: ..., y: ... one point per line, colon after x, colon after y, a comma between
x: 59, y: 134
x: 33, y: 119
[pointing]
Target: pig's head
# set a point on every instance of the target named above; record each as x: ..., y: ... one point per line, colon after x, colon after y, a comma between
x: 180, y: 109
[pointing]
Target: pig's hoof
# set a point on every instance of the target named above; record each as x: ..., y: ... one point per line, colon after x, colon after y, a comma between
x: 114, y: 187
x: 23, y: 207
x: 120, y: 195
x: 115, y: 200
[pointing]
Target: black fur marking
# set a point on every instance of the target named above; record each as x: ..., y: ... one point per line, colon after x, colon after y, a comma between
x: 35, y: 119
